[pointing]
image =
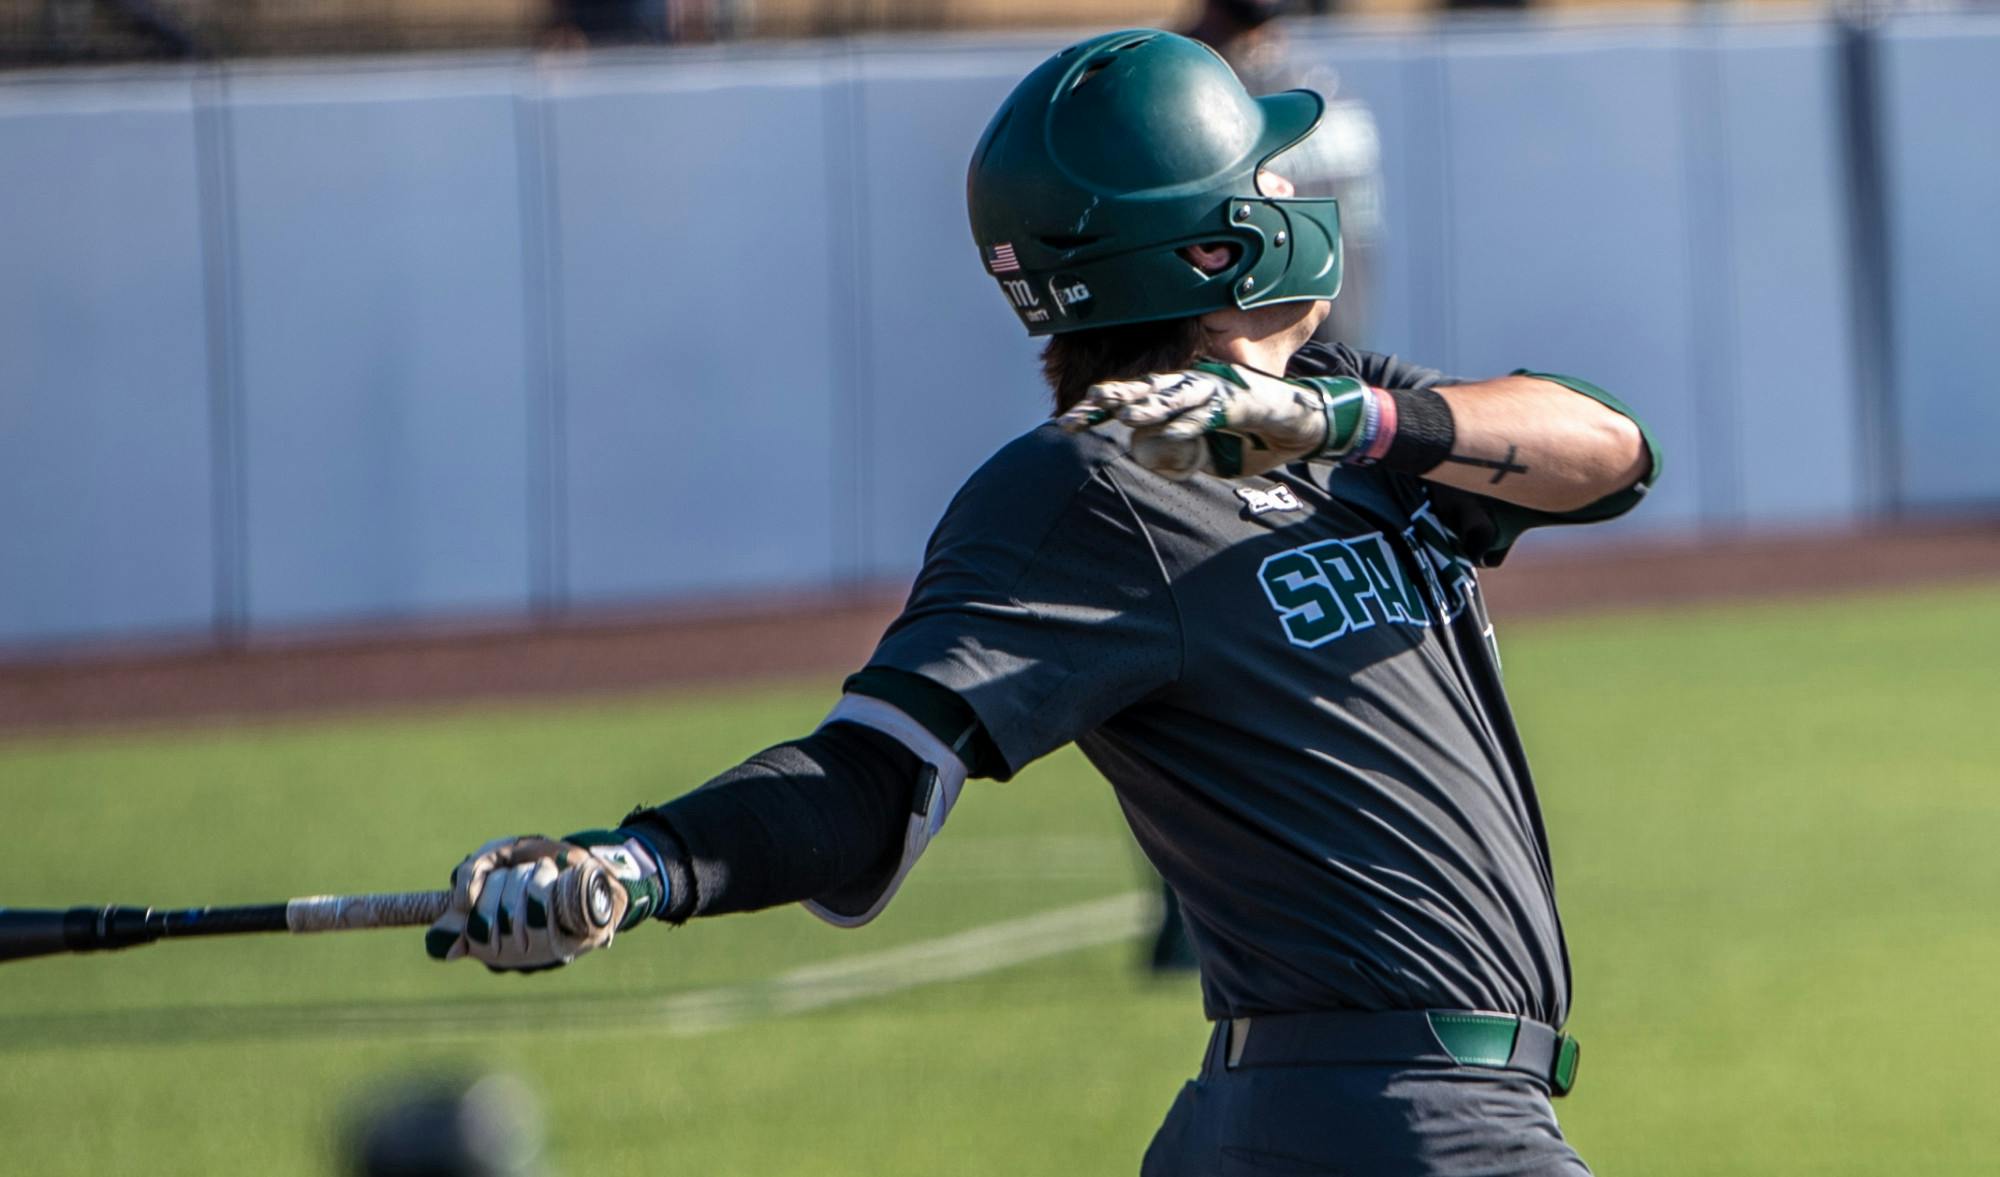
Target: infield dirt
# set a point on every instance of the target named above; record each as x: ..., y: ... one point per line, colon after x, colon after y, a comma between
x: 607, y: 652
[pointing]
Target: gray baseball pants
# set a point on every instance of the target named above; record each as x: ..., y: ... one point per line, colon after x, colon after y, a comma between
x: 1356, y: 1120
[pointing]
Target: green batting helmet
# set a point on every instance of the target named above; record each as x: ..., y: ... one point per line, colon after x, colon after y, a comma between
x: 1115, y: 154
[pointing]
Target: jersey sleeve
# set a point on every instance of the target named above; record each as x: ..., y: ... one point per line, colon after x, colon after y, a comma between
x: 1488, y: 527
x: 1041, y: 604
x: 1372, y: 368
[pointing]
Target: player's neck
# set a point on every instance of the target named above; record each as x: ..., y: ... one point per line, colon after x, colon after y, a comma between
x: 1270, y: 354
x: 1262, y: 355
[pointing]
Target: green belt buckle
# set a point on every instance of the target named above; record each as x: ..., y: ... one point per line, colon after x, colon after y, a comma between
x: 1563, y: 1077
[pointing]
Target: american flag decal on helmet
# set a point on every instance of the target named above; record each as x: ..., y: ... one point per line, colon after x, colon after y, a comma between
x: 1000, y: 259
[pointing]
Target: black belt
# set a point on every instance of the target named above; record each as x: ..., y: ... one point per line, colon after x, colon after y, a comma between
x: 1421, y: 1038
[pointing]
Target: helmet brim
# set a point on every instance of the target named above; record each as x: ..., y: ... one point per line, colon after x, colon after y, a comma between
x: 1288, y: 118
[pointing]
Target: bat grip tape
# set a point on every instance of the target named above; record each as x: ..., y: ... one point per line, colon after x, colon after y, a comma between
x: 339, y: 913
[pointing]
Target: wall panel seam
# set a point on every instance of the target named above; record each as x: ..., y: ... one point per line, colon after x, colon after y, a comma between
x: 222, y: 311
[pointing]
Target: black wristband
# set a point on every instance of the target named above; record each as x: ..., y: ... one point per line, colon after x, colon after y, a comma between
x: 1425, y: 432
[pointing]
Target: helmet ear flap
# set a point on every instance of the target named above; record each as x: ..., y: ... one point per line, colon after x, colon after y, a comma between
x: 1294, y: 250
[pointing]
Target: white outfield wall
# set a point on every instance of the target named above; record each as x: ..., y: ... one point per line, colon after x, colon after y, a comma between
x: 323, y: 343
x: 107, y: 459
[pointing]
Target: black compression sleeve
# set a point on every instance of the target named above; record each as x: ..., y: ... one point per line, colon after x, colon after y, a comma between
x: 792, y: 822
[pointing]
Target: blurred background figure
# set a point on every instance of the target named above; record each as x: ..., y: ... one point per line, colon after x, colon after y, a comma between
x: 436, y: 1126
x: 575, y: 24
x: 1342, y: 159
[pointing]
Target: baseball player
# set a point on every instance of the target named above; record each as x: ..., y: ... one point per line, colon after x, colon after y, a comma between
x: 1241, y: 572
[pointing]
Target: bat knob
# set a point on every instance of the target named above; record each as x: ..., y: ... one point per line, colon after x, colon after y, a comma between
x: 598, y: 900
x: 588, y: 899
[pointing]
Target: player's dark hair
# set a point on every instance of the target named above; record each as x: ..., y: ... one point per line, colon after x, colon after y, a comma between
x: 1074, y: 361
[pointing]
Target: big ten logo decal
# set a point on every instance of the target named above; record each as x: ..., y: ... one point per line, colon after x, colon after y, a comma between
x: 1072, y: 296
x: 1263, y: 502
x: 1335, y: 587
x: 1021, y: 293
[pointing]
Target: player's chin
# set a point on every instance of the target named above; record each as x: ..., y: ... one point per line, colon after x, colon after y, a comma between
x: 1316, y: 315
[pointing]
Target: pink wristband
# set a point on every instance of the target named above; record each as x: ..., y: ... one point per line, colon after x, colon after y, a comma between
x: 1385, y: 429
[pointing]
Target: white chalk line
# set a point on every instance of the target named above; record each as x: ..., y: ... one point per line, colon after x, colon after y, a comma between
x: 928, y: 962
x: 977, y: 951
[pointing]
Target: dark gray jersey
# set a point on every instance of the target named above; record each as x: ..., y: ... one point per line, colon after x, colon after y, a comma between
x: 1292, y: 685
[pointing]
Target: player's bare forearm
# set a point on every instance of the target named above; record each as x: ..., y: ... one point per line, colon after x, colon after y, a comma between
x: 1538, y: 444
x: 1522, y: 439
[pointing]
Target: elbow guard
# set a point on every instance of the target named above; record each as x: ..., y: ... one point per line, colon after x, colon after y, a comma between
x: 940, y: 779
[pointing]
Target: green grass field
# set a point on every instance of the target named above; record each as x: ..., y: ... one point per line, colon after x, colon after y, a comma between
x: 1774, y: 829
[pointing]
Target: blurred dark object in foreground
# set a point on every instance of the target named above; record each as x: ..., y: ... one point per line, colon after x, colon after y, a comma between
x: 439, y: 1127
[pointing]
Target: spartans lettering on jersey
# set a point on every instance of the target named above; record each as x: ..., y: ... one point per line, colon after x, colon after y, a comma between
x: 1335, y: 587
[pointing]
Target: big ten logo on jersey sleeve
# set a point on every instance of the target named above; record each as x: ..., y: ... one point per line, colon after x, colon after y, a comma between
x: 1334, y: 587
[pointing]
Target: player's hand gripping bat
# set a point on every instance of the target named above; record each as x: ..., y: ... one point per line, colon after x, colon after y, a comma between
x: 1226, y: 420
x: 585, y: 900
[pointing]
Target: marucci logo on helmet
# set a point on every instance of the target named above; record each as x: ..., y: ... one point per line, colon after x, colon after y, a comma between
x: 1069, y: 295
x: 1021, y: 293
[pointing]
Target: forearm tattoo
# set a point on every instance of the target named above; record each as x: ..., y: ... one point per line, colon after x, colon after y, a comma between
x: 1501, y: 467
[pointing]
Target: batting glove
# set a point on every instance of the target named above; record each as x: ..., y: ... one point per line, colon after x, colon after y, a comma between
x: 1228, y: 421
x: 527, y: 904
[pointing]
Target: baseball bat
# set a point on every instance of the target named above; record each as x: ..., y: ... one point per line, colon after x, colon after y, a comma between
x: 30, y: 932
